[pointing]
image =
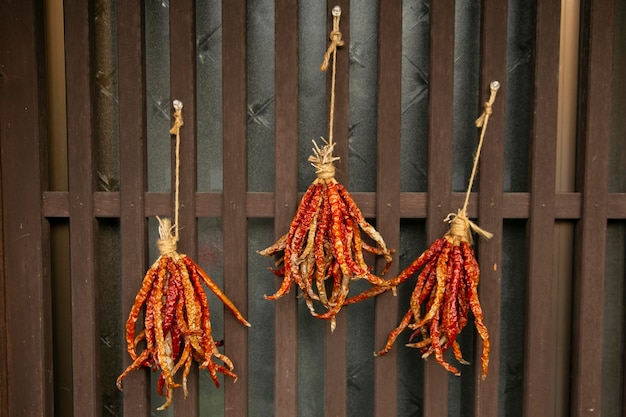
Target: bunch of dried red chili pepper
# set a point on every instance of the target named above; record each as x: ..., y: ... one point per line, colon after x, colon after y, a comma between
x: 324, y: 242
x: 177, y: 319
x: 446, y: 287
x: 177, y: 327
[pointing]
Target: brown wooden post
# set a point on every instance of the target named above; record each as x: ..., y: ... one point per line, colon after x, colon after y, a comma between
x: 235, y: 197
x: 182, y: 49
x: 80, y: 133
x: 539, y: 348
x: 490, y: 199
x: 440, y: 111
x: 336, y: 343
x: 388, y: 192
x: 133, y: 173
x: 27, y: 378
x: 597, y: 29
x: 286, y: 199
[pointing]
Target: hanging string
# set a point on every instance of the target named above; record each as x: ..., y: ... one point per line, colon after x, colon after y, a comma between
x: 331, y: 52
x: 175, y: 130
x: 460, y: 225
x: 482, y: 123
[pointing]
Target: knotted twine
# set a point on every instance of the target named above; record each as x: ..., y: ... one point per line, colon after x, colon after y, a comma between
x: 167, y: 240
x: 323, y: 158
x: 460, y: 226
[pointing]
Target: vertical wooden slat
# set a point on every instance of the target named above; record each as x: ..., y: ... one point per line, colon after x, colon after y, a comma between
x: 133, y: 166
x: 493, y: 68
x: 235, y: 177
x: 286, y: 198
x: 4, y: 408
x: 183, y: 88
x: 539, y: 348
x: 27, y: 385
x: 336, y: 359
x: 592, y: 177
x: 80, y: 125
x: 440, y: 105
x: 388, y: 190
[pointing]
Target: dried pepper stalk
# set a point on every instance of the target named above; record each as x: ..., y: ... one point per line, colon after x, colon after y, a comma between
x: 324, y: 241
x: 446, y: 287
x: 176, y: 325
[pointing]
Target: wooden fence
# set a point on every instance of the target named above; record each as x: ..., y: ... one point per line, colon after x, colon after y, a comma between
x: 73, y: 254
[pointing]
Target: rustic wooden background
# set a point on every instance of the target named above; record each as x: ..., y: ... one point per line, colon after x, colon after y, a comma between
x: 76, y: 238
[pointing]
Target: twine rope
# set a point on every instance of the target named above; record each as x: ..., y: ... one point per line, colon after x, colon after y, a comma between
x: 175, y: 130
x: 460, y: 225
x: 481, y: 122
x: 331, y: 52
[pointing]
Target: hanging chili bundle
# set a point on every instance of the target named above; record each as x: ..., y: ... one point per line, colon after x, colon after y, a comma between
x: 447, y: 285
x: 176, y: 325
x: 324, y: 241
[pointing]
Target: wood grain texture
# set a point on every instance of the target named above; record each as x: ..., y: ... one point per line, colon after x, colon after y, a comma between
x: 26, y: 371
x: 133, y: 183
x: 491, y: 198
x: 597, y: 28
x: 234, y: 204
x: 336, y: 360
x: 440, y: 117
x: 286, y: 199
x: 539, y: 344
x: 388, y: 193
x: 81, y: 150
x: 182, y: 48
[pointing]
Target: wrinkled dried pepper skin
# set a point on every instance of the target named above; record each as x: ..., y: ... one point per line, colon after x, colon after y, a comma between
x: 473, y: 277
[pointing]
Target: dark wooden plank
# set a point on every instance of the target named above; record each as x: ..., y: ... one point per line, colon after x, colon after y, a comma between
x: 286, y: 198
x: 539, y: 345
x: 106, y: 204
x: 182, y: 49
x: 597, y: 28
x: 27, y: 378
x: 616, y: 206
x: 80, y: 131
x: 388, y: 191
x: 490, y: 199
x: 440, y: 116
x: 133, y: 166
x: 261, y: 204
x: 336, y: 355
x: 4, y: 392
x: 235, y: 177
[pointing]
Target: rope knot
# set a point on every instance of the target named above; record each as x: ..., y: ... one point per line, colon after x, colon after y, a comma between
x: 178, y: 117
x: 336, y: 38
x: 461, y: 227
x: 167, y: 241
x: 323, y: 159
